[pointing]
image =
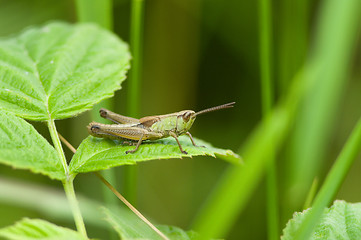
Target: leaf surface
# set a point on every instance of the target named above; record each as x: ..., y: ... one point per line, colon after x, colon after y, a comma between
x: 341, y: 221
x: 31, y: 229
x: 21, y: 146
x: 60, y: 70
x: 130, y: 227
x: 96, y: 154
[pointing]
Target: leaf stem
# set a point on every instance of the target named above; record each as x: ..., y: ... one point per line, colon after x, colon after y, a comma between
x: 67, y: 143
x: 57, y: 145
x: 130, y: 206
x: 78, y: 218
x: 116, y: 193
x: 68, y: 182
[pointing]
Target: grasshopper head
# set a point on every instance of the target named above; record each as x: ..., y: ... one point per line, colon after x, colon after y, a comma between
x: 188, y: 115
x: 93, y: 128
x: 186, y: 118
x: 185, y: 121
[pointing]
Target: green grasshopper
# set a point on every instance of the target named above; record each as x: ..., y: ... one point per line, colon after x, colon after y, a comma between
x: 148, y: 128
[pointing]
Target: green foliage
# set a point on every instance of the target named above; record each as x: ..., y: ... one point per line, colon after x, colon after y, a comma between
x: 130, y: 227
x: 333, y: 181
x: 341, y: 221
x: 96, y: 154
x: 54, y: 71
x: 175, y: 233
x: 57, y: 71
x: 310, y: 140
x: 21, y: 146
x: 238, y: 184
x: 31, y: 229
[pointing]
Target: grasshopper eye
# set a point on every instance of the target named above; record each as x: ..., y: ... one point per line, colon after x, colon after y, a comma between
x: 186, y: 116
x: 94, y: 128
x: 103, y: 113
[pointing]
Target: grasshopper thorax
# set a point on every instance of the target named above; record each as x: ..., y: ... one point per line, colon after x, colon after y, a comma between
x: 178, y: 123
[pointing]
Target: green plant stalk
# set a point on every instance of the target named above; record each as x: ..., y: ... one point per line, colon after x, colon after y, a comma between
x: 311, y: 194
x: 136, y: 48
x: 293, y: 31
x: 57, y: 145
x: 136, y: 45
x: 97, y: 11
x: 332, y: 51
x: 333, y: 182
x: 74, y: 205
x: 265, y: 45
x: 265, y: 40
x: 68, y: 182
x: 272, y: 199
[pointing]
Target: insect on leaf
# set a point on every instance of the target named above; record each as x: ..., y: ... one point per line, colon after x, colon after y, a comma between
x: 96, y: 154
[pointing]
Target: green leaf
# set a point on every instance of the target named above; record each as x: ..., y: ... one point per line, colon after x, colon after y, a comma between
x: 21, y: 146
x: 96, y: 154
x: 130, y: 227
x: 176, y: 233
x: 60, y: 70
x: 31, y: 229
x: 341, y: 221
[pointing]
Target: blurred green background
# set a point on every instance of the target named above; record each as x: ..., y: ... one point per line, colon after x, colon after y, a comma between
x: 199, y: 54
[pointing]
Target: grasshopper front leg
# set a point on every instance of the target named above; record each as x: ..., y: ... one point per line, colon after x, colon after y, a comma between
x: 194, y: 144
x: 176, y: 138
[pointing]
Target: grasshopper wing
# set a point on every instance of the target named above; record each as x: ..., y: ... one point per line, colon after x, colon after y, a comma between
x: 149, y: 121
x: 129, y: 131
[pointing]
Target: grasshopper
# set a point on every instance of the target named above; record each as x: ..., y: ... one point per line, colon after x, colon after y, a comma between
x: 148, y: 128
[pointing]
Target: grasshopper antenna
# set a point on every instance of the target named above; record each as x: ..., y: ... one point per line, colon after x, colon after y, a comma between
x: 227, y: 105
